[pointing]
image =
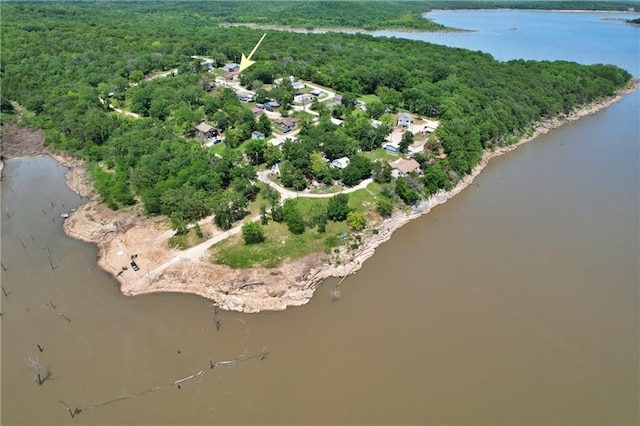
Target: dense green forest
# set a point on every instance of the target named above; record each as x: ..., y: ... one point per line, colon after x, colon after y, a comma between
x: 59, y: 60
x: 361, y: 14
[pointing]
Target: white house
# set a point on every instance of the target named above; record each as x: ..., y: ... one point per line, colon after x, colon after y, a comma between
x: 257, y: 135
x: 303, y: 98
x: 431, y: 126
x: 275, y: 169
x: 279, y: 81
x: 340, y: 163
x: 404, y: 120
x: 298, y: 85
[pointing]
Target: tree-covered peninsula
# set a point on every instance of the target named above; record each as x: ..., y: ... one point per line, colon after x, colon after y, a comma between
x: 149, y: 95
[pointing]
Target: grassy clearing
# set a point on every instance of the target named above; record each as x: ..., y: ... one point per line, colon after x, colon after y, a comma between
x: 279, y: 245
x: 380, y: 154
x: 369, y: 98
x: 186, y: 241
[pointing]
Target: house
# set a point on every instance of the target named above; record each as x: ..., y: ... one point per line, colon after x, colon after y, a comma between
x: 303, y: 98
x: 404, y: 120
x: 275, y: 169
x: 361, y: 105
x: 246, y: 97
x: 402, y: 167
x: 317, y: 92
x: 278, y: 81
x: 271, y: 105
x: 392, y: 147
x: 256, y: 110
x: 278, y: 141
x: 257, y: 135
x: 206, y: 131
x: 297, y: 85
x: 287, y: 124
x: 337, y: 99
x: 231, y: 67
x: 431, y: 126
x: 337, y: 121
x: 340, y: 163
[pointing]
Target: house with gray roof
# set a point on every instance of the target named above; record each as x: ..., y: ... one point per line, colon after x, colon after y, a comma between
x: 404, y: 120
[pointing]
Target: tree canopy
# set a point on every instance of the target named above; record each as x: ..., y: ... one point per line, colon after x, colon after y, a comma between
x: 66, y: 62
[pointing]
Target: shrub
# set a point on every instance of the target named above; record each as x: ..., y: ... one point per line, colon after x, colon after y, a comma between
x: 252, y: 233
x: 356, y: 221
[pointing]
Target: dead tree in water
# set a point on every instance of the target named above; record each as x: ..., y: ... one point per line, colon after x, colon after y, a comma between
x: 335, y: 294
x: 40, y: 376
x: 216, y: 321
x: 74, y: 412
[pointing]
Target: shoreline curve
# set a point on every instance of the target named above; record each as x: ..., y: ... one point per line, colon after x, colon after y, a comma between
x: 119, y: 235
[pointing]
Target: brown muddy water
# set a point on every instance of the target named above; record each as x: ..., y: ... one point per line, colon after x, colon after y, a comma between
x: 515, y: 302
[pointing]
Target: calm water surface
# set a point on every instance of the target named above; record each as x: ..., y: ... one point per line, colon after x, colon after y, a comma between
x: 515, y: 302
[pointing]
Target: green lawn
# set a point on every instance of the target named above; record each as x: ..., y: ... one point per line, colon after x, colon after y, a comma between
x: 278, y: 246
x: 368, y: 98
x: 380, y: 154
x: 186, y: 241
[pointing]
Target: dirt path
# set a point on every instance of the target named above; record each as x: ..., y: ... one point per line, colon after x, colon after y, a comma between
x: 265, y: 176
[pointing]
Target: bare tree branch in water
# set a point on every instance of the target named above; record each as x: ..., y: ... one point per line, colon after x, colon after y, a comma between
x: 73, y: 412
x: 216, y: 321
x: 40, y: 375
x: 53, y: 268
x: 22, y: 243
x: 175, y: 384
x: 335, y: 294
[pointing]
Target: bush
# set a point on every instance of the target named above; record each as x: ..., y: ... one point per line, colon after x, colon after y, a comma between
x: 331, y: 241
x: 252, y: 233
x: 293, y: 218
x: 356, y: 221
x: 385, y: 207
x: 338, y: 207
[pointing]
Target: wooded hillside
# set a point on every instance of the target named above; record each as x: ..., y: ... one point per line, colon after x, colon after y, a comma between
x: 60, y: 60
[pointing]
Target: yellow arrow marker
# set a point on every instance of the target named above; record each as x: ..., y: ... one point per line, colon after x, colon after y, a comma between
x: 247, y: 62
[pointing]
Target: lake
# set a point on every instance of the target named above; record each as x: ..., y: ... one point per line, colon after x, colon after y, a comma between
x: 515, y: 302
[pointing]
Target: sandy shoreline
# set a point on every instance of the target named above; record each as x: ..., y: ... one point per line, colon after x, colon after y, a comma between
x: 120, y: 235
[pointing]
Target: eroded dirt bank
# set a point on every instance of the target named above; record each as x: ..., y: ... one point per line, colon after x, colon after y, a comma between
x: 121, y: 235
